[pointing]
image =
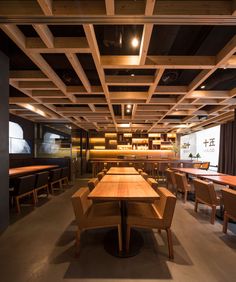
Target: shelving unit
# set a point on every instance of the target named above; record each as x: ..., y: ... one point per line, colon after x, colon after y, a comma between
x: 131, y: 141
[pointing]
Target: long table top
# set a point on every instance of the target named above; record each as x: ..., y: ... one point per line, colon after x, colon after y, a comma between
x: 224, y: 179
x: 122, y: 170
x: 119, y: 190
x: 197, y: 172
x: 122, y: 178
x: 29, y: 169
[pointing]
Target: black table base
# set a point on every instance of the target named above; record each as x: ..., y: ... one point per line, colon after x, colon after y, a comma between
x: 111, y: 244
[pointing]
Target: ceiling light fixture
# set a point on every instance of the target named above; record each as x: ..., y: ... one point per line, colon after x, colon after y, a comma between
x: 128, y: 110
x: 135, y: 42
x: 33, y: 109
x: 132, y: 74
x: 203, y: 86
x: 129, y: 106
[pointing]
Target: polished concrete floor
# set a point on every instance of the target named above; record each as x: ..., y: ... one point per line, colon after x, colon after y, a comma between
x: 39, y: 246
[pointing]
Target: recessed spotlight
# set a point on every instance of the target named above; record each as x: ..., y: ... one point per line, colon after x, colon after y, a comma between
x: 135, y: 42
x: 203, y: 86
x: 128, y: 110
x: 132, y: 74
x: 129, y: 106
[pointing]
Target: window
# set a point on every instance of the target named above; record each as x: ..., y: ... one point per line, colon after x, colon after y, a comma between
x: 17, y: 143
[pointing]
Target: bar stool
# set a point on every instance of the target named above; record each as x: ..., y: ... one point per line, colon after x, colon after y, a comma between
x: 55, y: 179
x: 24, y: 187
x: 41, y: 183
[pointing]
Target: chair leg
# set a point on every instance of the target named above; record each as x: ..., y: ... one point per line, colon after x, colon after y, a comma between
x: 127, y: 237
x: 120, y: 238
x: 77, y: 244
x: 225, y: 224
x: 170, y: 243
x: 196, y: 205
x: 185, y: 196
x: 18, y: 205
x: 35, y: 198
x: 213, y: 214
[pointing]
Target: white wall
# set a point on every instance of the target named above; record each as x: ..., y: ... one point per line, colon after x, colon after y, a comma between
x: 205, y: 142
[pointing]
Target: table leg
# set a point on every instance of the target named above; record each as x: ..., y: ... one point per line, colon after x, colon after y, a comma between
x: 111, y: 238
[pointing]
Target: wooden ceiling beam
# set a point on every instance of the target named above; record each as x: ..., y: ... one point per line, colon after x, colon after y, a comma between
x: 170, y: 62
x: 58, y: 45
x: 138, y: 80
x: 26, y: 75
x: 73, y: 59
x: 110, y: 7
x: 128, y: 95
x: 45, y: 34
x: 46, y: 6
x: 152, y: 88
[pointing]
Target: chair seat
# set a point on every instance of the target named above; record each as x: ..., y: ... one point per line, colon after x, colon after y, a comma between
x: 105, y: 214
x: 143, y: 214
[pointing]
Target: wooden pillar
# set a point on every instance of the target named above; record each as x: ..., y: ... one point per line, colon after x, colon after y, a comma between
x: 4, y: 137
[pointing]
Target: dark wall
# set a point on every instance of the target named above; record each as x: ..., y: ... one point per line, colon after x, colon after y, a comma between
x: 28, y: 130
x: 4, y: 156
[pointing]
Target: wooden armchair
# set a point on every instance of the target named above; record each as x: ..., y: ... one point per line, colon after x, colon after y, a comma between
x: 92, y: 216
x: 229, y: 201
x: 182, y: 185
x: 153, y: 183
x: 100, y: 175
x: 92, y: 183
x: 157, y: 215
x: 205, y: 194
x: 170, y: 176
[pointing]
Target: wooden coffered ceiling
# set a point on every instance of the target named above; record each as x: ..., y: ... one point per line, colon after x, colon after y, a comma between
x: 72, y: 62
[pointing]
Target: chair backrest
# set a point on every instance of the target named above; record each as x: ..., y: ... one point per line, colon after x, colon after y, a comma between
x: 163, y: 166
x: 229, y: 200
x: 165, y: 206
x: 181, y: 181
x: 205, y: 191
x: 55, y: 174
x: 197, y: 165
x: 140, y: 170
x: 92, y: 183
x: 153, y: 183
x: 25, y: 184
x: 205, y: 165
x: 65, y: 172
x: 171, y: 177
x: 41, y: 179
x: 144, y: 175
x: 100, y: 175
x: 81, y: 205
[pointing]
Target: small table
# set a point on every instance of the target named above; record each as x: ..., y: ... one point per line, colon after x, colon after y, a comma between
x: 123, y: 171
x: 117, y: 190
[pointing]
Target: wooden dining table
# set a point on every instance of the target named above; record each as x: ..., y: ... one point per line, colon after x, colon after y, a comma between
x: 197, y: 172
x: 18, y: 171
x: 122, y: 171
x: 224, y: 179
x: 123, y: 188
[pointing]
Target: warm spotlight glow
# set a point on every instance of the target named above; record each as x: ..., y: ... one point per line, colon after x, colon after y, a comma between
x: 128, y: 110
x: 128, y: 106
x: 203, y: 86
x: 124, y: 125
x: 132, y: 74
x: 135, y: 42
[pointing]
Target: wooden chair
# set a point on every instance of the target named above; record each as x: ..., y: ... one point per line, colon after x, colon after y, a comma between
x: 55, y: 180
x: 170, y: 177
x: 198, y: 165
x: 157, y: 215
x: 153, y: 183
x: 24, y: 187
x: 229, y: 201
x: 182, y: 185
x: 205, y: 194
x: 144, y: 175
x: 205, y: 165
x: 140, y: 170
x: 92, y: 183
x: 41, y: 183
x: 64, y: 176
x: 100, y: 175
x: 105, y: 170
x: 92, y: 216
